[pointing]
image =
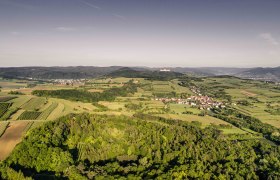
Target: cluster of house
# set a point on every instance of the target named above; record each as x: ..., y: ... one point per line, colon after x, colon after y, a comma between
x: 68, y: 81
x: 201, y: 102
x: 195, y: 90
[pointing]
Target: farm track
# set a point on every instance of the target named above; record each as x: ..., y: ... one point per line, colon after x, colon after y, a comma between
x: 11, y: 138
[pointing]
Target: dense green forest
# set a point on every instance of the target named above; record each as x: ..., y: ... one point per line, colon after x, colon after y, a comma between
x: 141, y: 147
x: 85, y: 96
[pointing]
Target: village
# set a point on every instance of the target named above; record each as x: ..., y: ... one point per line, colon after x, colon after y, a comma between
x: 69, y: 81
x: 199, y: 101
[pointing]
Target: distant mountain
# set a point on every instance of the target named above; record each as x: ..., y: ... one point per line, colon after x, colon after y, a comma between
x: 83, y: 72
x: 71, y: 72
x: 222, y: 70
x: 207, y: 71
x: 186, y: 70
x: 268, y: 74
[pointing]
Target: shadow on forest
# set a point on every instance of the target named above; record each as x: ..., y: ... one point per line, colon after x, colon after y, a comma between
x: 31, y: 172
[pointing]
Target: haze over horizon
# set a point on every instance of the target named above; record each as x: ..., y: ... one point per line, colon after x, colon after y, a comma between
x: 158, y: 33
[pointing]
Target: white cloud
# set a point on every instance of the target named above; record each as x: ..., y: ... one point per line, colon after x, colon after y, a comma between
x: 119, y: 16
x: 65, y: 29
x: 269, y: 38
x: 90, y: 4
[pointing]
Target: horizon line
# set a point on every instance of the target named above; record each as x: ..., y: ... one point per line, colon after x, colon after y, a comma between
x: 52, y: 66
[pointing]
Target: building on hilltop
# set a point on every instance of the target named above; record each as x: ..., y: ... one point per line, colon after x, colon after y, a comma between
x: 164, y: 70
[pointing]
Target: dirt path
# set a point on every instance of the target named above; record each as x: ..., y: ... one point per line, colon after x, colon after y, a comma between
x: 11, y: 138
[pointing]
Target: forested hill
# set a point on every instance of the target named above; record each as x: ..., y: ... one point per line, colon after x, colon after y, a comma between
x: 141, y: 147
x: 151, y: 75
x: 75, y: 72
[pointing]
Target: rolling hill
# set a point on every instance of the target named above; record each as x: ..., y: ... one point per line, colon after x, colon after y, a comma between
x: 153, y: 75
x: 268, y: 74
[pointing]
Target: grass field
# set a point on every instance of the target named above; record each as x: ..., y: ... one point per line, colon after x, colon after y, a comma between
x: 233, y: 130
x: 205, y: 120
x: 181, y: 108
x: 12, y: 84
x: 65, y: 107
x: 113, y: 105
x: 46, y: 112
x: 34, y: 103
x: 101, y: 84
x: 47, y: 86
x: 161, y: 87
x: 180, y: 89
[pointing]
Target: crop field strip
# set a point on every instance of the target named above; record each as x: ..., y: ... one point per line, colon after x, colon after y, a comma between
x: 57, y: 112
x: 20, y: 101
x: 10, y: 112
x: 3, y: 127
x: 29, y: 115
x: 45, y: 114
x: 28, y: 126
x: 34, y: 103
x: 6, y: 98
x: 4, y: 107
x: 36, y: 124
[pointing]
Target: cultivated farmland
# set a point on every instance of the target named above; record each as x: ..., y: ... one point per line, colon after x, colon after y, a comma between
x: 45, y: 114
x: 3, y: 108
x: 3, y: 127
x: 11, y: 138
x: 6, y: 98
x: 29, y: 115
x: 34, y: 104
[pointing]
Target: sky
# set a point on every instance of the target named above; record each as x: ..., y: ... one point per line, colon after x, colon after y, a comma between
x: 155, y: 33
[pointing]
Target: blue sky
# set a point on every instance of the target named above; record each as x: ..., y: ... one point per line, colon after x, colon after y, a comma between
x: 189, y: 33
